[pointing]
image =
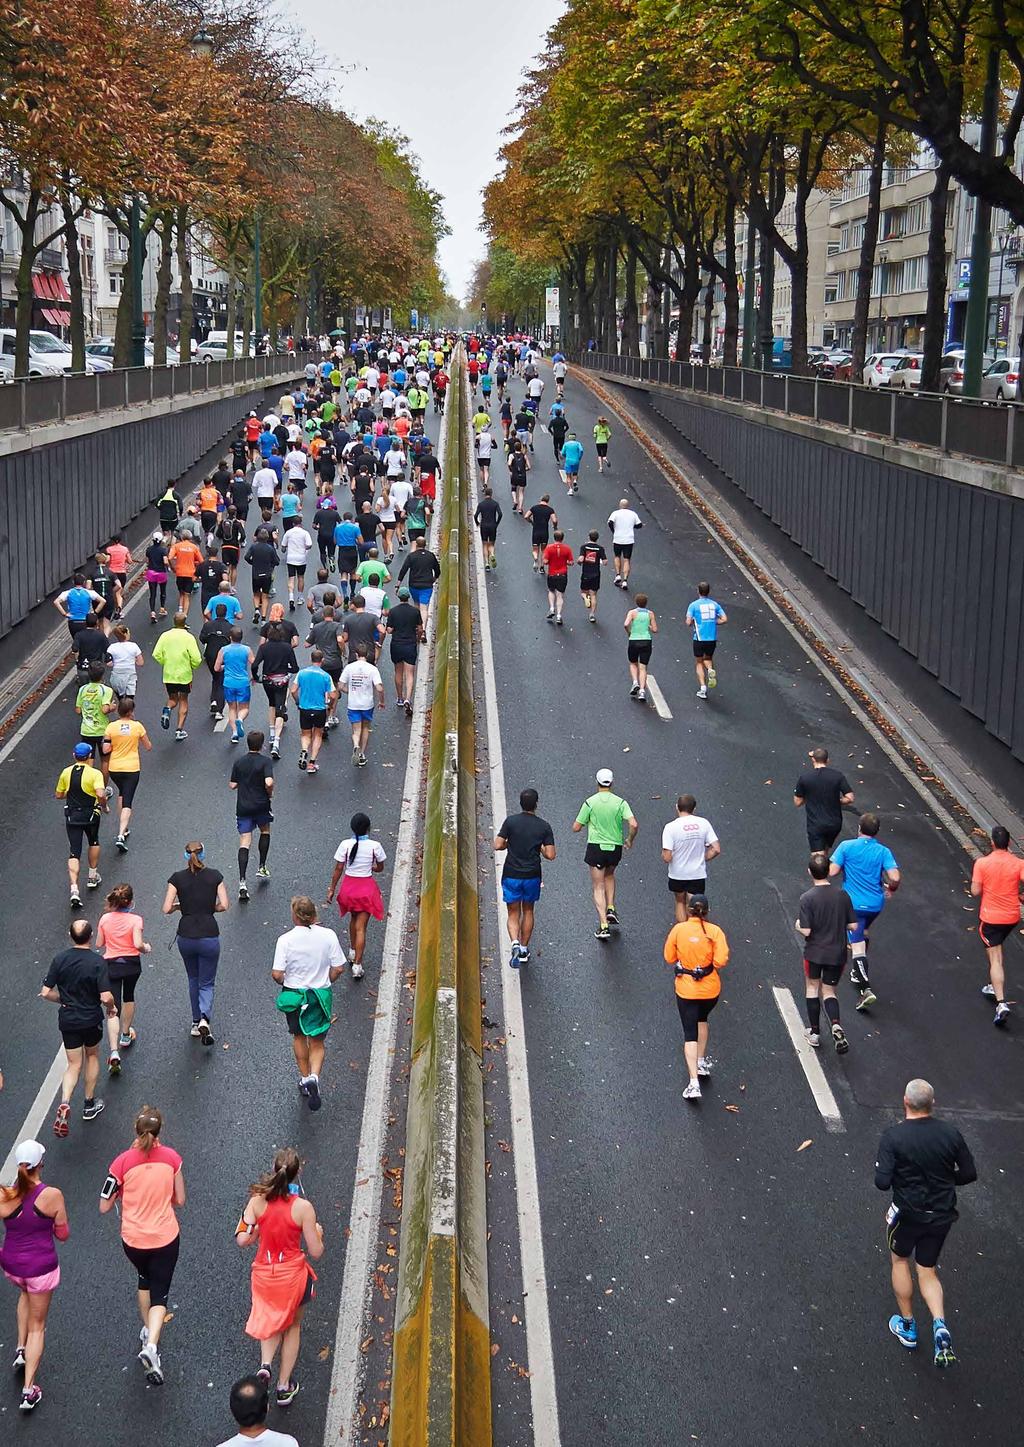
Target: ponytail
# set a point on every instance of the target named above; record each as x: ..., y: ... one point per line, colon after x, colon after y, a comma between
x: 194, y: 855
x: 275, y: 1183
x: 360, y: 826
x: 148, y: 1123
x: 20, y: 1188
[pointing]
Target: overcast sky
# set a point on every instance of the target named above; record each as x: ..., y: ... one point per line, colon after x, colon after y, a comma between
x: 446, y: 74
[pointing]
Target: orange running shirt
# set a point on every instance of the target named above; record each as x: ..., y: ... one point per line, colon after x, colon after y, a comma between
x: 999, y: 874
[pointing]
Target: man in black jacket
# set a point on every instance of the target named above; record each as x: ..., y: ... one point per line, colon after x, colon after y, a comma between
x: 922, y: 1161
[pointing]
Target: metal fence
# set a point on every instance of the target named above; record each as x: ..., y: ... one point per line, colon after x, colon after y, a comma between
x: 980, y: 430
x: 36, y: 400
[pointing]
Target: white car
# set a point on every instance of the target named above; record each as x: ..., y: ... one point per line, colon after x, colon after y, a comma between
x: 218, y: 351
x: 906, y: 375
x: 878, y: 368
x: 48, y: 356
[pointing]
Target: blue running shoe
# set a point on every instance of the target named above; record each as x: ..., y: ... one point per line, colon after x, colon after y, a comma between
x: 513, y: 958
x: 904, y: 1329
x: 944, y: 1353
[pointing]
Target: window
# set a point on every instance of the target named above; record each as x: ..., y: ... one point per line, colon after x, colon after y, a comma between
x: 893, y: 223
x: 114, y: 282
x: 834, y: 247
x: 857, y: 234
x: 914, y: 274
x: 831, y: 292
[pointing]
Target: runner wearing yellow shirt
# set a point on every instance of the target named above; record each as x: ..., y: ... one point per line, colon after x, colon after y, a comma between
x: 122, y: 763
x: 481, y: 419
x: 178, y: 655
x: 602, y: 436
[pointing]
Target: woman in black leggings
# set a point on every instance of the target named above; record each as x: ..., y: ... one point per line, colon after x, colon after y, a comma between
x: 156, y: 575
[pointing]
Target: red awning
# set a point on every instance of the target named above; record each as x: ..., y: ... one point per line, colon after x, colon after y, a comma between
x: 56, y: 316
x: 39, y: 287
x: 62, y: 287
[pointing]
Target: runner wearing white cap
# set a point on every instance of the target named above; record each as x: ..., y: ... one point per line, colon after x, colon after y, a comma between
x: 610, y: 827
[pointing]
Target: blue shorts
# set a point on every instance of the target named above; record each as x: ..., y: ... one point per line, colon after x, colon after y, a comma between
x: 360, y: 715
x: 571, y: 471
x: 865, y: 919
x: 249, y: 823
x: 237, y: 695
x: 520, y: 891
x: 421, y: 595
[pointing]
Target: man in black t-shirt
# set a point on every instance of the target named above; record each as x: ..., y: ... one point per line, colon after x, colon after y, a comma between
x: 822, y: 791
x: 487, y: 517
x: 77, y: 981
x: 252, y: 778
x: 405, y: 629
x: 825, y: 915
x: 360, y: 627
x: 541, y: 517
x: 527, y: 839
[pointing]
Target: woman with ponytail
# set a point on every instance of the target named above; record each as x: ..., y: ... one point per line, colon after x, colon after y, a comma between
x: 33, y: 1216
x: 358, y: 859
x: 698, y: 950
x: 200, y: 894
x: 146, y: 1180
x: 279, y: 1221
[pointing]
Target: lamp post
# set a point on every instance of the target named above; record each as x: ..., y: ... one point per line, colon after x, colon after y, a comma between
x: 883, y: 257
x: 257, y: 281
x: 1004, y: 241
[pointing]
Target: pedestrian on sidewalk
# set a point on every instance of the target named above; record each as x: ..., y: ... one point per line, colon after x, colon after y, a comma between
x: 704, y: 615
x: 997, y: 881
x: 610, y: 827
x: 77, y: 981
x: 525, y: 839
x: 199, y: 895
x: 34, y: 1217
x: 871, y: 875
x: 922, y: 1161
x: 824, y: 918
x: 688, y: 844
x: 307, y: 960
x: 250, y: 1403
x: 823, y: 792
x: 356, y: 860
x: 640, y: 625
x: 697, y: 950
x: 178, y: 655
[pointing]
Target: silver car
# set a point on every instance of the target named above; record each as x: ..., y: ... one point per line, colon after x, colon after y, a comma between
x: 906, y: 375
x: 1000, y: 382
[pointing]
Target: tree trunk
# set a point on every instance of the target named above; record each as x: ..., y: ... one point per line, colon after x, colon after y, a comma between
x: 162, y: 299
x: 866, y: 264
x: 630, y: 316
x: 123, y: 321
x: 730, y: 339
x: 74, y: 283
x: 299, y: 314
x: 612, y: 336
x: 687, y: 295
x: 231, y: 320
x: 185, y: 283
x: 708, y: 320
x: 567, y: 338
x: 599, y: 303
x: 247, y: 305
x: 798, y: 266
x: 935, y: 307
x: 655, y: 317
x: 765, y: 327
x: 23, y: 309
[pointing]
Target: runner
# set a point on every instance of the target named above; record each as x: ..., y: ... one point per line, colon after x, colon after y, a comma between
x: 623, y: 523
x: 210, y: 504
x: 704, y: 616
x: 145, y: 1184
x: 177, y: 653
x: 314, y: 694
x: 77, y: 982
x: 185, y: 558
x: 870, y: 874
x: 93, y: 703
x: 119, y: 558
x: 263, y: 558
x: 640, y: 625
x: 223, y: 595
x: 34, y: 1217
x: 825, y: 917
x: 558, y: 428
x: 296, y: 545
x: 698, y: 950
x: 362, y: 684
x: 359, y: 626
x: 356, y: 860
x: 169, y: 511
x: 106, y: 585
x: 592, y: 559
x: 823, y: 792
x: 483, y: 445
x: 559, y: 371
x: 280, y: 1222
x: 487, y: 518
x: 252, y: 779
x: 325, y: 521
x: 198, y: 894
x: 230, y: 537
x: 126, y: 658
x: 997, y: 880
x: 122, y: 763
x: 405, y: 628
x: 76, y: 603
x: 542, y: 518
x: 922, y: 1161
x: 307, y: 960
x: 571, y: 457
x: 602, y: 436
x: 250, y: 1406
x: 156, y: 575
x: 518, y: 467
x: 85, y: 797
x: 688, y: 845
x: 215, y: 635
x: 347, y: 537
x: 274, y: 666
x: 611, y: 828
x: 558, y: 559
x: 424, y: 570
x: 525, y: 839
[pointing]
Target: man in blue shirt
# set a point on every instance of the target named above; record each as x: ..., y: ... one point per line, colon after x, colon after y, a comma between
x: 315, y: 694
x: 870, y: 873
x: 267, y: 441
x: 346, y: 542
x: 704, y: 616
x: 76, y: 603
x: 572, y: 455
x: 234, y: 661
x: 276, y: 461
x: 232, y: 607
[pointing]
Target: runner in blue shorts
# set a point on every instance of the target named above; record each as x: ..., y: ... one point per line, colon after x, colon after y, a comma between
x: 525, y: 839
x: 704, y: 616
x: 870, y: 874
x: 572, y: 456
x: 234, y: 661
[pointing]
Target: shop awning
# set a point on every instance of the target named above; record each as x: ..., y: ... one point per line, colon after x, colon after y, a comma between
x: 39, y: 287
x: 62, y: 293
x: 57, y: 316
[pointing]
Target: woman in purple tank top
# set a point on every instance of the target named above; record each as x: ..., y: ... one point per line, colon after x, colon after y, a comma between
x: 33, y: 1217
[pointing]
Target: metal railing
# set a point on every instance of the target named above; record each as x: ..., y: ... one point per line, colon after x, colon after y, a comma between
x: 985, y: 432
x: 33, y: 401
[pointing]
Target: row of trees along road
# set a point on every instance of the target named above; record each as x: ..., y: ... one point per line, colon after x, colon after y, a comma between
x: 647, y: 128
x: 104, y: 100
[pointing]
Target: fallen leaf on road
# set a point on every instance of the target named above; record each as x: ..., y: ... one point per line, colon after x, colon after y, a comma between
x: 734, y: 1108
x: 324, y: 1353
x: 495, y: 1348
x: 803, y: 1146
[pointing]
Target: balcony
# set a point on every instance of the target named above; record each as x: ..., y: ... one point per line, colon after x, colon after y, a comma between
x: 114, y: 256
x: 51, y: 258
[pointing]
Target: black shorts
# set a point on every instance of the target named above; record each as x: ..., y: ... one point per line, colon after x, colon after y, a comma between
x: 122, y: 987
x: 178, y: 690
x: 704, y: 649
x: 155, y: 1267
x: 95, y: 742
x: 262, y: 582
x: 125, y: 784
x: 288, y: 523
x: 639, y: 651
x: 312, y: 718
x: 693, y: 1013
x: 827, y: 974
x: 348, y: 559
x: 994, y: 934
x: 79, y: 834
x: 601, y: 448
x: 185, y: 585
x: 230, y: 554
x: 402, y: 652
x: 295, y: 569
x: 922, y: 1241
x: 687, y: 886
x: 558, y: 583
x: 622, y: 550
x: 590, y: 582
x: 75, y: 1039
x: 599, y: 858
x: 820, y: 841
x: 277, y: 695
x: 488, y: 535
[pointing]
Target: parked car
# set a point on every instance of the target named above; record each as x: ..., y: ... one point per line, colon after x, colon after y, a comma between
x: 217, y: 351
x: 1000, y: 382
x: 828, y: 364
x: 951, y: 370
x: 102, y: 349
x: 878, y: 368
x: 816, y: 355
x: 906, y: 375
x: 48, y: 356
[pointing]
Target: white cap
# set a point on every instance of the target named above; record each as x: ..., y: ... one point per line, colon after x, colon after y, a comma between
x: 605, y: 777
x: 29, y: 1153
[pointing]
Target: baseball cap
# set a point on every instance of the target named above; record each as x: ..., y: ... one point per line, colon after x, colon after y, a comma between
x: 605, y: 777
x: 29, y: 1153
x: 403, y: 594
x: 700, y: 902
x: 83, y: 751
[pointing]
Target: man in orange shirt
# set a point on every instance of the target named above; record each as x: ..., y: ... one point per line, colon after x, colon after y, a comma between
x: 698, y: 951
x: 997, y: 881
x: 210, y: 503
x: 185, y: 558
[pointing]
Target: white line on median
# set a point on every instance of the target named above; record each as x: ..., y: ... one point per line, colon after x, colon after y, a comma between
x: 38, y: 1111
x: 540, y: 1355
x: 809, y: 1062
x: 661, y: 708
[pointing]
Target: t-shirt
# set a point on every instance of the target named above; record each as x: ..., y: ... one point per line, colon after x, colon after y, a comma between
x: 372, y: 573
x: 999, y: 874
x: 91, y: 646
x: 572, y: 452
x: 367, y: 854
x: 624, y: 522
x: 347, y: 535
x: 146, y: 1179
x: 79, y: 977
x: 214, y: 636
x: 262, y: 557
x: 197, y: 895
x: 541, y: 514
x: 688, y: 836
x: 123, y: 658
x: 264, y: 482
x: 827, y: 912
x: 295, y: 465
x: 923, y: 1161
x: 234, y: 661
x: 91, y: 699
x: 375, y: 600
x: 421, y: 567
x: 557, y: 557
x: 401, y: 492
x: 125, y: 736
x: 78, y: 602
x: 306, y: 955
x: 178, y: 654
x: 250, y: 773
x: 267, y: 1438
x: 119, y: 557
x: 297, y: 544
x: 404, y: 622
x: 232, y: 605
x: 525, y: 835
x: 185, y: 558
x: 359, y: 627
x: 605, y: 815
x: 704, y: 616
x: 394, y: 463
x: 361, y: 678
x: 488, y: 513
x: 821, y: 790
x: 485, y: 444
x: 862, y: 861
x: 314, y: 686
x: 118, y: 929
x: 592, y: 555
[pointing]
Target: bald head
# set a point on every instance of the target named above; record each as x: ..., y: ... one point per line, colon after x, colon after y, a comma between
x: 623, y: 502
x: 918, y: 1097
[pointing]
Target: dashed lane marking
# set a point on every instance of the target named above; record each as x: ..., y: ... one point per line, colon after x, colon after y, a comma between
x: 809, y: 1062
x: 661, y: 708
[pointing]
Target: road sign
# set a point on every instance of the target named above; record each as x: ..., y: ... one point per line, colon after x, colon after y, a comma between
x: 360, y: 316
x: 387, y: 318
x: 551, y: 306
x: 414, y: 319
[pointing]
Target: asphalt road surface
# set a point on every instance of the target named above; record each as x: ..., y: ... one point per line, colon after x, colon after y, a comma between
x: 719, y: 1275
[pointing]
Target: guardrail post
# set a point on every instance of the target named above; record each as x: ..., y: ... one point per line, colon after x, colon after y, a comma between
x: 151, y: 370
x: 124, y: 381
x: 22, y: 405
x: 96, y: 391
x: 62, y: 397
x: 817, y: 382
x: 785, y: 394
x: 892, y: 413
x: 849, y: 407
x: 760, y: 389
x: 1011, y: 417
x: 944, y: 422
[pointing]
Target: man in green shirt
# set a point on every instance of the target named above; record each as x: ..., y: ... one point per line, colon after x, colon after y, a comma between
x: 371, y: 572
x: 178, y: 655
x: 94, y: 702
x: 610, y: 827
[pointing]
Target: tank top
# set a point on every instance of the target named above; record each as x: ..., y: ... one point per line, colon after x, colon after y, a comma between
x: 280, y: 1238
x: 28, y: 1248
x: 640, y: 627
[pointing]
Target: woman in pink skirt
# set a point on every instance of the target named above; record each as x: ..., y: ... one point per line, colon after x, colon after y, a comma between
x: 358, y: 859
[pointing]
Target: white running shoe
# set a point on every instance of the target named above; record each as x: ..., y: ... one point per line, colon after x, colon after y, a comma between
x: 692, y: 1091
x: 705, y: 1065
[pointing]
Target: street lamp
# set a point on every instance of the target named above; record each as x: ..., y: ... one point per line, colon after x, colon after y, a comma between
x: 883, y: 257
x: 1004, y: 241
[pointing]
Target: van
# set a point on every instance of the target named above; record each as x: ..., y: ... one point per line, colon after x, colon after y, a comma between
x: 221, y: 338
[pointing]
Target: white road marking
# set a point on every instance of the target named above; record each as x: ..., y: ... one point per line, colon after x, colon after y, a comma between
x: 221, y: 725
x: 540, y: 1355
x: 38, y: 1111
x: 661, y: 708
x: 809, y: 1062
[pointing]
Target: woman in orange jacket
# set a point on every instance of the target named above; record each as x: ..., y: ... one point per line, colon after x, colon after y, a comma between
x: 698, y: 950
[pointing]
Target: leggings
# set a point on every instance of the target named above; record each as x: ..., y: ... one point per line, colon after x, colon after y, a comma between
x: 153, y: 589
x: 200, y: 958
x: 327, y: 553
x: 155, y: 1266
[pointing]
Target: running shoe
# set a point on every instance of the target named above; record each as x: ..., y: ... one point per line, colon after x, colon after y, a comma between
x: 551, y: 615
x: 634, y: 690
x: 839, y: 1040
x: 75, y: 900
x: 602, y: 932
x: 275, y: 750
x: 165, y: 717
x: 513, y: 958
x: 150, y: 1359
x: 355, y: 755
x: 125, y: 1041
x: 180, y: 735
x: 18, y: 1365
x: 989, y: 990
x: 92, y: 1108
x: 234, y: 737
x: 205, y: 1033
x: 559, y: 620
x: 712, y: 677
x: 243, y: 893
x: 942, y: 1342
x: 611, y: 916
x: 904, y: 1329
x: 121, y: 844
x: 311, y: 769
x: 95, y: 879
x: 30, y: 1399
x: 702, y: 693
x: 143, y: 1335
x: 218, y: 716
x: 692, y: 1091
x: 408, y: 708
x: 263, y: 872
x: 1002, y: 1014
x: 357, y: 970
x: 813, y: 1039
x: 313, y: 1097
x: 642, y: 695
x: 362, y: 761
x: 868, y: 997
x: 286, y: 1392
x: 194, y: 1032
x: 524, y: 955
x: 113, y: 1063
x: 303, y: 759
x: 213, y: 708
x: 61, y: 1121
x: 593, y: 617
x: 705, y: 1065
x: 265, y: 1373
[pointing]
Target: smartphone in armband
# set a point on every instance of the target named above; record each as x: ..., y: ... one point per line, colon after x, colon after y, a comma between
x: 110, y: 1188
x: 243, y: 1228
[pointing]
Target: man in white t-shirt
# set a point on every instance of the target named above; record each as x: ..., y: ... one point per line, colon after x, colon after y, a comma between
x: 375, y: 600
x: 400, y: 492
x: 295, y: 464
x: 387, y: 403
x: 264, y: 485
x: 484, y: 445
x: 295, y: 545
x: 250, y: 1402
x: 535, y: 388
x: 623, y: 523
x: 688, y: 843
x: 307, y: 957
x: 372, y: 378
x: 363, y: 686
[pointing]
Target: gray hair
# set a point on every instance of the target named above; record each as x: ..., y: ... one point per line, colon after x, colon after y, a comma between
x: 919, y: 1095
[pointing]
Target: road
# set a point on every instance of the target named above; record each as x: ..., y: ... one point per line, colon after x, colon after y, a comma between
x: 711, y: 1277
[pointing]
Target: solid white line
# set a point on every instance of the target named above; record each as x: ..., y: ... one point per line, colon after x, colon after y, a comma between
x: 540, y: 1355
x: 38, y: 1111
x: 809, y: 1062
x: 221, y: 725
x: 661, y: 708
